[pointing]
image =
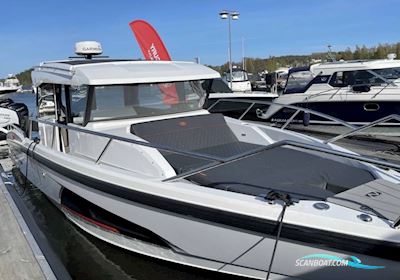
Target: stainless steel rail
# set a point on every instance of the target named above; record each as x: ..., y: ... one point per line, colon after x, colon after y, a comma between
x: 128, y: 140
x: 291, y: 143
x: 364, y: 127
x: 354, y: 129
x: 217, y: 161
x: 328, y: 117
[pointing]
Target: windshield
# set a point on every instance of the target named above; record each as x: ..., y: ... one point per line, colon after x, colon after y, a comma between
x: 143, y: 100
x: 298, y: 81
x: 216, y: 86
x: 238, y: 76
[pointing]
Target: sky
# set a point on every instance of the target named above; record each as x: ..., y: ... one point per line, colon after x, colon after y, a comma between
x: 35, y: 31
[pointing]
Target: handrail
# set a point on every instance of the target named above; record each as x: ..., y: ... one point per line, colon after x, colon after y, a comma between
x: 292, y: 144
x: 354, y: 129
x: 222, y: 161
x: 286, y: 106
x: 132, y: 141
x: 364, y: 127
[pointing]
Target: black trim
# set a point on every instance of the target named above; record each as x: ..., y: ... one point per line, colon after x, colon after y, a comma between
x: 89, y: 104
x: 292, y: 233
x: 68, y: 103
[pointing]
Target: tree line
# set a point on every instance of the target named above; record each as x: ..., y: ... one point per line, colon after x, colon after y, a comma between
x: 272, y: 63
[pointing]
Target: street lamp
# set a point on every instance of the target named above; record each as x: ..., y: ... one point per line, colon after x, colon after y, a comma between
x: 235, y: 16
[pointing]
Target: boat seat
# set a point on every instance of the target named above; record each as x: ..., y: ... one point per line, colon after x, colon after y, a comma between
x: 305, y: 174
x: 207, y: 134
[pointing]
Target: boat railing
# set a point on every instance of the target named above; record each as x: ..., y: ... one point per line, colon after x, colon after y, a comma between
x: 353, y: 129
x: 364, y: 127
x: 296, y: 108
x: 218, y: 161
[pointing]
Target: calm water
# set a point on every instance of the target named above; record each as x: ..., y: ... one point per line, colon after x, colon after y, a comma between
x: 86, y: 257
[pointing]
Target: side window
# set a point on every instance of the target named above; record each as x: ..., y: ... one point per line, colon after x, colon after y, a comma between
x: 46, y: 101
x: 363, y: 77
x: 78, y: 103
x: 339, y: 79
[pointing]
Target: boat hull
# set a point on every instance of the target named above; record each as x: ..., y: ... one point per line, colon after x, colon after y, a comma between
x: 206, y: 240
x: 355, y: 112
x: 5, y: 91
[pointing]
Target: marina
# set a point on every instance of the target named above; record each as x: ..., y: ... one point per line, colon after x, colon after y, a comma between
x: 284, y: 167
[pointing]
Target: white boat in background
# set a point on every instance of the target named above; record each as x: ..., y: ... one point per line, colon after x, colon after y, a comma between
x: 358, y: 92
x: 130, y: 156
x: 239, y: 82
x: 10, y: 84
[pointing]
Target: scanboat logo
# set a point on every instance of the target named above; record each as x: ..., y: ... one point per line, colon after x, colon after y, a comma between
x: 330, y: 260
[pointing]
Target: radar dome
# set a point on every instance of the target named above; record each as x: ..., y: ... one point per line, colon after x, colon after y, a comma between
x: 88, y: 48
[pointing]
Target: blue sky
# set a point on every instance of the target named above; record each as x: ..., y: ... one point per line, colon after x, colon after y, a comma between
x: 33, y: 31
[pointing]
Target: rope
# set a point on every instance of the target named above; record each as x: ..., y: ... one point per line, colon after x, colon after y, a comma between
x: 286, y: 202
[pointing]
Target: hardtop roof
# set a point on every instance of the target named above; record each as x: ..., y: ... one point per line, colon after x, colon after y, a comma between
x: 119, y: 71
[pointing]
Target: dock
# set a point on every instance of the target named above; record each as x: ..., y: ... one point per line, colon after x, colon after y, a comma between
x: 21, y: 256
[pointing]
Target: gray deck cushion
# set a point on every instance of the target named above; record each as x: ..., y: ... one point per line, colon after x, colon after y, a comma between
x: 308, y: 174
x: 187, y: 133
x: 289, y: 170
x: 208, y: 134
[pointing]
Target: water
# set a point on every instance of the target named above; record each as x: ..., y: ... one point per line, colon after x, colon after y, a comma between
x: 87, y: 257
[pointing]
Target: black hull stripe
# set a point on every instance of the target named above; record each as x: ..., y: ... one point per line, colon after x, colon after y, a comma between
x: 291, y: 233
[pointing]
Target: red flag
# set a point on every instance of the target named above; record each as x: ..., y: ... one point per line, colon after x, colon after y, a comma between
x: 149, y: 41
x: 153, y: 48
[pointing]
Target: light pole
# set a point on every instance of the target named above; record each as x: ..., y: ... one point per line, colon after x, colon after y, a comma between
x: 235, y: 16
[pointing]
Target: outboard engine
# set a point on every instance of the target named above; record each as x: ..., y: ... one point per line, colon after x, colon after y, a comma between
x: 22, y: 112
x: 13, y: 113
x: 5, y: 102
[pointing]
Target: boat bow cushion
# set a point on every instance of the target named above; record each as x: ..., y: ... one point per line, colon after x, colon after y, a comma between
x: 207, y: 134
x: 304, y: 173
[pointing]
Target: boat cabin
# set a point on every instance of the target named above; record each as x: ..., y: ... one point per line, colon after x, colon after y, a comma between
x: 84, y: 92
x: 359, y: 75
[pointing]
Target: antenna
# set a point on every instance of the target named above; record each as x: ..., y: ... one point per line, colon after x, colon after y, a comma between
x: 330, y: 55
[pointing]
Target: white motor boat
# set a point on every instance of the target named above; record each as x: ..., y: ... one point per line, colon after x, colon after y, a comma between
x: 239, y: 82
x: 130, y: 156
x: 358, y: 92
x: 10, y: 84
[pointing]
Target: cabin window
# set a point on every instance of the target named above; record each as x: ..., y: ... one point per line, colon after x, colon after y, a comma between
x: 298, y: 81
x: 364, y: 77
x: 46, y: 101
x: 351, y: 78
x: 238, y: 76
x: 216, y: 86
x: 390, y: 74
x: 78, y: 97
x: 143, y: 100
